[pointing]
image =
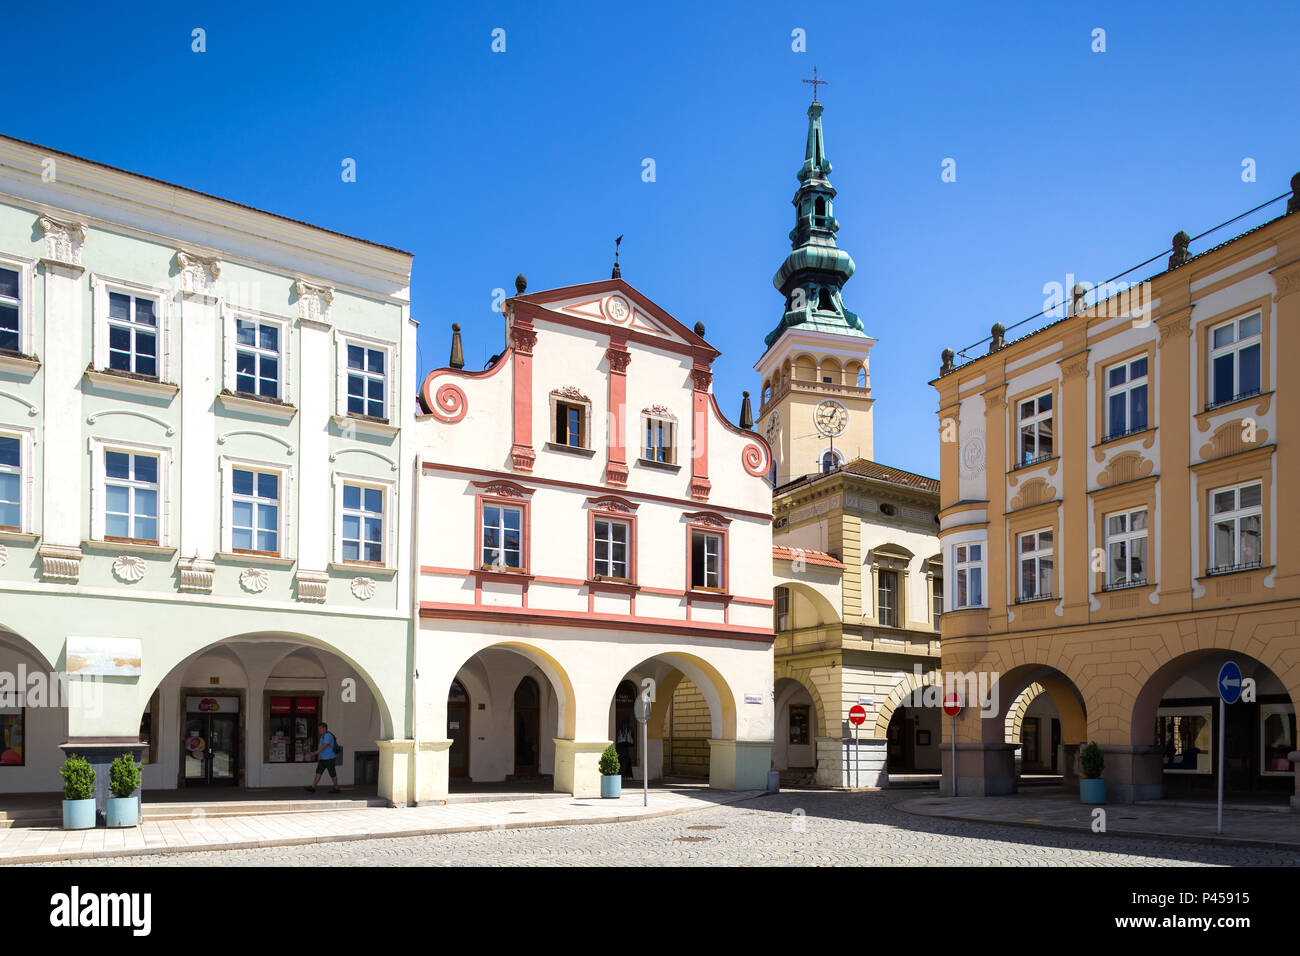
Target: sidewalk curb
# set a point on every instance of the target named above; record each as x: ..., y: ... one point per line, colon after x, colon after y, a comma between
x: 1212, y: 839
x: 158, y: 850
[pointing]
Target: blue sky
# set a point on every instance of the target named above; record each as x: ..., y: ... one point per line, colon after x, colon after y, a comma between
x: 489, y: 164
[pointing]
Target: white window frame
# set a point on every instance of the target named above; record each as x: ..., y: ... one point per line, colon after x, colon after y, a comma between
x: 101, y: 286
x: 230, y: 328
x: 99, y: 481
x: 26, y: 473
x: 389, y: 489
x: 610, y: 542
x: 285, y: 473
x: 895, y: 610
x: 503, y: 507
x: 1236, y: 347
x: 343, y: 340
x: 1127, y: 537
x: 25, y: 269
x: 717, y: 559
x: 1126, y: 388
x: 836, y: 455
x: 1034, y: 421
x: 1235, y: 515
x: 1036, y: 556
x: 963, y: 566
x: 781, y: 609
x: 647, y: 423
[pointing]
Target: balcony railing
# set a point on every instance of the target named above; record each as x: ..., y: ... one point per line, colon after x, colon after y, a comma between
x: 1035, y: 598
x: 1232, y: 568
x: 1251, y: 393
x: 1123, y: 584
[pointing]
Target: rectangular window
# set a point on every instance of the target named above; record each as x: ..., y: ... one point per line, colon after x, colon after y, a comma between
x: 132, y: 334
x: 781, y: 609
x: 610, y: 549
x: 11, y: 307
x: 660, y: 440
x: 706, y: 560
x: 1036, y: 568
x: 569, y: 425
x: 1035, y: 418
x: 968, y: 566
x: 1276, y: 739
x: 887, y: 598
x: 1184, y: 736
x: 13, y: 738
x: 937, y: 598
x: 11, y: 482
x: 503, y: 536
x: 130, y: 497
x: 291, y: 729
x: 363, y: 524
x: 255, y: 511
x: 257, y: 358
x: 367, y: 375
x: 1126, y: 398
x: 1235, y: 359
x: 1236, y: 528
x: 1126, y: 549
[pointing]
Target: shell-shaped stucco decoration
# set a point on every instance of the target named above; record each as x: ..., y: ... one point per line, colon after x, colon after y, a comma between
x: 255, y: 579
x: 4, y: 555
x: 363, y: 588
x: 129, y: 568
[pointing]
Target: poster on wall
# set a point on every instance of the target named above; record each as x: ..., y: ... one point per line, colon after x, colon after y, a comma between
x: 279, y: 749
x: 103, y: 657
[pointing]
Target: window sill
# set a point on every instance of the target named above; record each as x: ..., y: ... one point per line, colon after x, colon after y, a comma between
x: 24, y: 537
x: 1125, y: 436
x: 1119, y: 588
x: 257, y: 403
x: 364, y: 423
x: 571, y: 450
x: 128, y: 547
x: 1212, y: 574
x: 255, y: 557
x: 362, y: 567
x: 1033, y: 464
x: 130, y: 382
x: 710, y: 594
x: 665, y: 465
x: 27, y: 365
x: 612, y: 584
x: 517, y: 575
x: 1038, y: 599
x: 1242, y: 400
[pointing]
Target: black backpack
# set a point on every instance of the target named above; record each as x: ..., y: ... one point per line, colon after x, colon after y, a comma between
x: 338, y: 747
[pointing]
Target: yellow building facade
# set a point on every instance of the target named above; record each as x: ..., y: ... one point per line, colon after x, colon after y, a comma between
x: 1115, y: 525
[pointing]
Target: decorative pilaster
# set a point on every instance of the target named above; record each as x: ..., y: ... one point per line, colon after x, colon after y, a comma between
x: 60, y: 562
x: 198, y: 274
x: 619, y: 358
x: 523, y: 337
x: 311, y: 586
x: 63, y: 241
x: 702, y: 377
x: 196, y: 574
x: 200, y: 361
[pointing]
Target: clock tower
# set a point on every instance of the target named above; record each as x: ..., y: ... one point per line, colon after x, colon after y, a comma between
x: 815, y: 402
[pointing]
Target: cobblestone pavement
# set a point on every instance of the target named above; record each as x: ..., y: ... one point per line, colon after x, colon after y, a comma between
x: 791, y: 828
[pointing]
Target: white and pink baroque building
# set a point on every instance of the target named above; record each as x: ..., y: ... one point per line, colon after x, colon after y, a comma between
x: 589, y: 524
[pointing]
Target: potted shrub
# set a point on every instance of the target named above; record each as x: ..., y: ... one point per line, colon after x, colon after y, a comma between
x: 1092, y: 788
x: 124, y: 782
x: 611, y: 774
x: 78, y: 793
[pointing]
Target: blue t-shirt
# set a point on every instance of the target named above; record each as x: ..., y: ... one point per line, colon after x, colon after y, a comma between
x: 328, y: 740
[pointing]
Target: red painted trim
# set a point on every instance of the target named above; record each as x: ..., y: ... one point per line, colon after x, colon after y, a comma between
x: 756, y: 457
x: 434, y: 466
x: 502, y: 488
x: 523, y: 337
x: 604, y: 585
x: 702, y: 378
x: 437, y: 610
x: 617, y: 357
x: 538, y: 302
x: 700, y: 523
x: 427, y: 396
x: 603, y: 503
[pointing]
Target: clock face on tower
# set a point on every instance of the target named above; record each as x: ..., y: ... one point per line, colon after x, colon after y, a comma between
x: 773, y: 426
x: 831, y: 418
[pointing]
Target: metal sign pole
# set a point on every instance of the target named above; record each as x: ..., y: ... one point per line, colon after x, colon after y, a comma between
x: 645, y: 765
x: 954, y: 756
x: 1223, y: 710
x: 857, y: 756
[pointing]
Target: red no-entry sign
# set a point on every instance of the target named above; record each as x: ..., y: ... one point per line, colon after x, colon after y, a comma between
x: 857, y: 714
x: 951, y: 703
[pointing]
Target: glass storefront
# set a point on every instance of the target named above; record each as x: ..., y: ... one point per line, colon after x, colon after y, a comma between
x: 291, y: 728
x: 12, y: 726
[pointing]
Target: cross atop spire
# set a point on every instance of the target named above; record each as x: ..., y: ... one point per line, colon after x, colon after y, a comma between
x: 815, y: 83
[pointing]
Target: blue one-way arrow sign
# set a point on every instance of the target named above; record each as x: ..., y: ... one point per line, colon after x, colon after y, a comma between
x: 1230, y: 682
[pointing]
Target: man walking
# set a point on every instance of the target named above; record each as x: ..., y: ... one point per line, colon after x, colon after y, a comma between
x: 326, y: 755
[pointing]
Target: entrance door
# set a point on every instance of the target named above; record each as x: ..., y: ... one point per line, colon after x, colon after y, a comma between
x: 527, y: 728
x: 458, y: 730
x: 625, y: 726
x: 210, y: 749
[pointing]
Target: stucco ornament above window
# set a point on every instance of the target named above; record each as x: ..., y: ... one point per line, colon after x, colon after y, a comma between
x: 363, y: 588
x: 198, y: 274
x: 129, y: 568
x: 313, y: 301
x: 255, y: 579
x: 63, y: 240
